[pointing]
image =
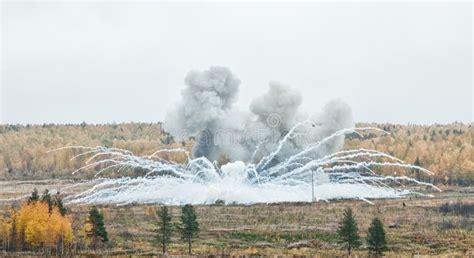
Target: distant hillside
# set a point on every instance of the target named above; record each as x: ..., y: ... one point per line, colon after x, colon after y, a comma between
x: 446, y: 150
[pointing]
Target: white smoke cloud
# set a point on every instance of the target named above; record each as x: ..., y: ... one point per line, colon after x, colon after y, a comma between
x: 206, y: 113
x: 335, y: 115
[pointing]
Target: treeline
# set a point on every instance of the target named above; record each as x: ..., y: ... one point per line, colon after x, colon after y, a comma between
x: 43, y: 224
x: 447, y: 150
x: 24, y: 148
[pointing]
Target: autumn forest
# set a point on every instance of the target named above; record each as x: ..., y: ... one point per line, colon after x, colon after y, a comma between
x: 447, y: 150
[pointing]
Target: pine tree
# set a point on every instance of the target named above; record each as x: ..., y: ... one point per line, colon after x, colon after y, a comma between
x: 46, y: 197
x: 34, y: 196
x: 348, y: 231
x: 376, y: 240
x: 164, y: 227
x: 98, y: 231
x: 189, y: 227
x: 58, y: 202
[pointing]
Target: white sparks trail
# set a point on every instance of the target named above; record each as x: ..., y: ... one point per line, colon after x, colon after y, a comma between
x: 342, y: 174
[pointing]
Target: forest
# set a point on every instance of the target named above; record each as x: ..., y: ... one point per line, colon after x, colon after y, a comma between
x: 447, y: 150
x: 41, y: 224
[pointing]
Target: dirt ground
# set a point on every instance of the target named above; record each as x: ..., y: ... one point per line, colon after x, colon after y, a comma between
x: 414, y: 225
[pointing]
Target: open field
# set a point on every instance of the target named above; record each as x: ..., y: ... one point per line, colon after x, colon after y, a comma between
x: 421, y: 227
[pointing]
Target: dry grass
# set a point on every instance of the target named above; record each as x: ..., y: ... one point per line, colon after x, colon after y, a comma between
x: 267, y: 229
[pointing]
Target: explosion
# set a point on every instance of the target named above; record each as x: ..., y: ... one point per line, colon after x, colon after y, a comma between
x: 272, y: 153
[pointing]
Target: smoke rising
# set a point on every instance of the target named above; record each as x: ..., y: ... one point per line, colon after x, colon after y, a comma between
x: 278, y: 107
x: 206, y: 101
x: 223, y: 132
x: 273, y: 152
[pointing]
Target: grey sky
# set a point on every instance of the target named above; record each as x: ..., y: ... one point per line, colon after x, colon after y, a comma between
x: 103, y: 62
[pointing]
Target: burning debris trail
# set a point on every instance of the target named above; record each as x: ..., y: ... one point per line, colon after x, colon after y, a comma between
x: 343, y: 174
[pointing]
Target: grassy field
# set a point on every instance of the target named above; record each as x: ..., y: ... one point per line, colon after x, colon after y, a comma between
x: 424, y: 225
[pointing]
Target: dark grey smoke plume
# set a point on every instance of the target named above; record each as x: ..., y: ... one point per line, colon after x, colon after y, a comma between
x: 222, y: 132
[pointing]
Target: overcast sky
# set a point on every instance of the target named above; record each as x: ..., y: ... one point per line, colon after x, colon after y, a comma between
x: 104, y: 62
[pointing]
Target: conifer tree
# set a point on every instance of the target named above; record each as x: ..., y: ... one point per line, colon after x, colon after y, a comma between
x: 189, y: 227
x: 348, y: 231
x: 376, y: 241
x: 46, y: 197
x: 98, y: 230
x: 58, y: 202
x: 164, y: 227
x: 34, y: 196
